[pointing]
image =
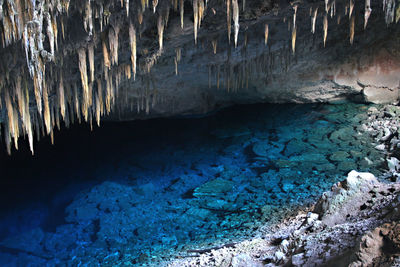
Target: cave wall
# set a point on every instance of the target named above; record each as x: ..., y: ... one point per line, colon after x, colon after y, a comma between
x: 66, y: 61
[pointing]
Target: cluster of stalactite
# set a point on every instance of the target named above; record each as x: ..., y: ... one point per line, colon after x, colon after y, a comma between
x: 38, y: 96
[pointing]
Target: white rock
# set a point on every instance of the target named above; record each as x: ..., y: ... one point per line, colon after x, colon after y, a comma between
x: 368, y: 161
x: 313, y: 216
x: 298, y: 259
x: 244, y: 260
x: 279, y: 256
x: 380, y: 147
x: 354, y: 179
x: 393, y: 164
x: 284, y: 245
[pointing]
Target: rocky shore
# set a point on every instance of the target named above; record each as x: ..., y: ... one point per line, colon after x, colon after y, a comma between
x: 356, y: 223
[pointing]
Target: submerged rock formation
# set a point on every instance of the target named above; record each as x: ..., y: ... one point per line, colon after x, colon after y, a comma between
x: 68, y: 60
x: 367, y: 234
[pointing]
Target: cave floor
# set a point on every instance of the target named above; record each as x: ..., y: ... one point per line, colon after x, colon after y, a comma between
x: 141, y: 193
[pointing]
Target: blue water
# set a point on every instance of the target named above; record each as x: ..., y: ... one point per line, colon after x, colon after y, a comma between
x: 138, y: 193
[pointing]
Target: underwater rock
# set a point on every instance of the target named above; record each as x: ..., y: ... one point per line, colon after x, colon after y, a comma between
x: 325, y: 167
x: 342, y: 134
x: 339, y: 156
x: 310, y: 157
x: 356, y: 154
x: 346, y: 166
x: 282, y: 163
x: 296, y: 146
x: 214, y: 188
x: 261, y: 148
x: 233, y: 131
x: 28, y: 242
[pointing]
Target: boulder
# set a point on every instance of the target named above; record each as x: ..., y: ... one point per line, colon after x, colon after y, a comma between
x: 214, y: 188
x: 345, y: 198
x: 379, y: 95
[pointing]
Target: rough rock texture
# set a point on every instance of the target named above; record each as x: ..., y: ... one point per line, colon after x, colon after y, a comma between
x: 88, y: 58
x: 367, y: 234
x: 356, y: 223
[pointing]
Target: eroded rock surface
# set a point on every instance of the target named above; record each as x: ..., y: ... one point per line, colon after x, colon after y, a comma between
x: 82, y: 60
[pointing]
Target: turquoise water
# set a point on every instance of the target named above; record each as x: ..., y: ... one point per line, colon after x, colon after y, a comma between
x: 141, y: 192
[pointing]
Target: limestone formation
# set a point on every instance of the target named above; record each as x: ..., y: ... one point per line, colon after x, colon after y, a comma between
x: 63, y: 59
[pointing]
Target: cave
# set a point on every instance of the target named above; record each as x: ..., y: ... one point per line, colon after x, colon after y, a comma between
x: 199, y: 133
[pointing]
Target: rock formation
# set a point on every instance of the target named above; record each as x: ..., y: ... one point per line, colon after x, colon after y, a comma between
x: 67, y: 61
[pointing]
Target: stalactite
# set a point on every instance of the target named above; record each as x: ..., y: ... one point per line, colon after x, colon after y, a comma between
x: 55, y: 31
x: 27, y: 120
x: 313, y: 20
x: 155, y: 3
x: 108, y: 91
x: 100, y: 96
x: 46, y: 110
x: 7, y: 138
x: 333, y: 9
x: 20, y: 98
x: 389, y: 10
x: 36, y: 23
x: 351, y: 8
x: 166, y: 17
x: 398, y: 13
x: 76, y: 102
x: 84, y: 79
x: 201, y: 11
x: 37, y: 84
x: 294, y: 16
x: 235, y: 10
x: 98, y: 109
x: 62, y: 29
x: 367, y: 12
x: 352, y: 22
x: 106, y: 56
x: 195, y: 19
x: 113, y: 43
x: 143, y: 2
x: 91, y: 61
x: 127, y: 7
x: 325, y: 28
x: 214, y: 44
x: 61, y: 95
x: 88, y: 20
x: 294, y: 39
x: 140, y: 16
x: 12, y: 122
x: 228, y: 18
x: 176, y: 66
x: 177, y: 59
x: 294, y: 30
x: 160, y: 29
x: 132, y: 41
x: 181, y: 9
x: 57, y: 117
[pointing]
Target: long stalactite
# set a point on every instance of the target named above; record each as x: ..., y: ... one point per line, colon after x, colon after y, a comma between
x: 40, y: 93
